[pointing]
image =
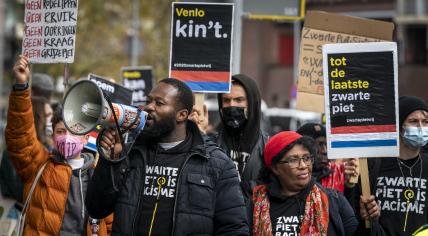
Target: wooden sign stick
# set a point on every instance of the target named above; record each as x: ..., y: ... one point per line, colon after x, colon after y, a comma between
x: 365, y: 182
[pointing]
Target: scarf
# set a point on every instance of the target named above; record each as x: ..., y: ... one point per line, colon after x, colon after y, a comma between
x: 316, y: 215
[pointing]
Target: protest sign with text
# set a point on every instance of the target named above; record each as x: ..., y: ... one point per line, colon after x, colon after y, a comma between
x: 361, y: 97
x: 140, y: 80
x: 201, y: 45
x: 114, y: 91
x: 321, y: 28
x: 50, y: 31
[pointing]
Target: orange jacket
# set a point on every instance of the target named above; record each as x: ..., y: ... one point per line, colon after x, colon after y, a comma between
x: 47, y: 206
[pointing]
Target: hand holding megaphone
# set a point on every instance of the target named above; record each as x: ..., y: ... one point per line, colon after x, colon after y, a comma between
x: 111, y: 143
x: 85, y: 108
x: 110, y: 140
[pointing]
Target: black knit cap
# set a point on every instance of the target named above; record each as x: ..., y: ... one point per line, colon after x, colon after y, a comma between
x: 312, y: 130
x: 409, y: 104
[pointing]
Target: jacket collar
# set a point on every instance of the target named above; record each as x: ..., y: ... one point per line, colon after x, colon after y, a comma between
x: 199, y: 142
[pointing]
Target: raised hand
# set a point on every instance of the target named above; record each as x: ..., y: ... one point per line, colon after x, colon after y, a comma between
x: 21, y: 70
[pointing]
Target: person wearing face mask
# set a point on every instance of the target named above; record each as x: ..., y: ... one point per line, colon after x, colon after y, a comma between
x: 240, y: 136
x: 60, y: 178
x: 400, y: 184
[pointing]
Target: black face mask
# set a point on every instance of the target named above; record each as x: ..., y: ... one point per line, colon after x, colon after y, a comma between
x: 234, y: 117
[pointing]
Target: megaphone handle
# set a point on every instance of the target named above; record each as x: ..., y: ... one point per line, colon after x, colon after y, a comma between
x: 117, y: 124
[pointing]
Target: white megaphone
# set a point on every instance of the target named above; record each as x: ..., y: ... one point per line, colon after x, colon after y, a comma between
x: 85, y: 108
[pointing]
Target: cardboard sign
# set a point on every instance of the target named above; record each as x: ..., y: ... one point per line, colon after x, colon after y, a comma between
x: 50, y: 31
x: 361, y: 97
x: 116, y: 92
x: 140, y: 81
x: 201, y: 46
x: 321, y: 28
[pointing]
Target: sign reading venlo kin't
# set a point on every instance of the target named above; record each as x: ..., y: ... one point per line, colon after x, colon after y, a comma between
x: 50, y: 31
x: 139, y: 79
x: 201, y: 45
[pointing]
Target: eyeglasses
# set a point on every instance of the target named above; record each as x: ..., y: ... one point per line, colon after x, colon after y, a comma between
x: 294, y: 161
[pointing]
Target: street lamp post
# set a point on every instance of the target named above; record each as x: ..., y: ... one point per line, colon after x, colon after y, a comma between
x: 2, y: 36
x: 135, y: 32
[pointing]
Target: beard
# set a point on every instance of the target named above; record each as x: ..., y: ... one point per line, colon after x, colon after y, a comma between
x: 160, y: 128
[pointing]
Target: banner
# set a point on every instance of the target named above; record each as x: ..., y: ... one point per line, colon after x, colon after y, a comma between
x: 321, y: 28
x: 115, y: 92
x: 201, y: 46
x: 140, y: 81
x: 361, y: 97
x: 50, y: 31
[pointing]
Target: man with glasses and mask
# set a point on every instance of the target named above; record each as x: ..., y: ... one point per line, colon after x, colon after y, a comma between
x: 400, y: 184
x: 240, y: 135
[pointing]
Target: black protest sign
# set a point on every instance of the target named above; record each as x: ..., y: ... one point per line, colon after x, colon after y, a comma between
x: 115, y: 92
x: 361, y: 99
x: 361, y: 89
x: 140, y: 81
x: 50, y: 31
x: 201, y: 45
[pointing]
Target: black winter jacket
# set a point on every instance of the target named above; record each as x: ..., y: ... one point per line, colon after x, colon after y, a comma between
x: 255, y: 162
x: 209, y: 200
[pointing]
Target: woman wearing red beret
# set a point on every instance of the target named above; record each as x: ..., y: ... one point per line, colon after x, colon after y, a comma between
x: 287, y: 201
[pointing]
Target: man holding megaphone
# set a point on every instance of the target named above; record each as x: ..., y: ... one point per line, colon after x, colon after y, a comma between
x: 55, y: 183
x: 172, y: 181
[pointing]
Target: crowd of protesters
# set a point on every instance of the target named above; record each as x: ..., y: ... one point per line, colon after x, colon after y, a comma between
x: 179, y: 179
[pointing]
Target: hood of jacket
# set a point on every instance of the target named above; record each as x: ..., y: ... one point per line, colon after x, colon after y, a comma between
x: 88, y: 158
x: 250, y: 133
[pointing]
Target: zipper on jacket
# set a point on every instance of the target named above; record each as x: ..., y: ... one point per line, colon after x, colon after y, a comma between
x: 137, y: 214
x: 177, y: 193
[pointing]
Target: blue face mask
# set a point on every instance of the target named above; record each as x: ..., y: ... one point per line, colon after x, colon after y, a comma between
x: 416, y: 137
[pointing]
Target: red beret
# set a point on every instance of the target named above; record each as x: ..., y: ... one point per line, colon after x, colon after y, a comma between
x: 277, y: 143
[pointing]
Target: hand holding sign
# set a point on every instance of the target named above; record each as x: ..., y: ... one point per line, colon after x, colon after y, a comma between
x: 369, y: 210
x: 352, y: 171
x: 21, y: 70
